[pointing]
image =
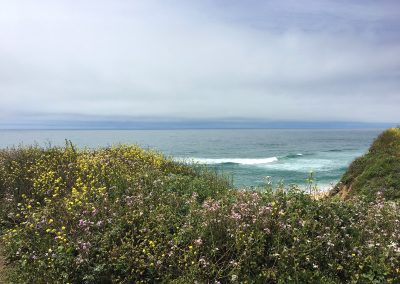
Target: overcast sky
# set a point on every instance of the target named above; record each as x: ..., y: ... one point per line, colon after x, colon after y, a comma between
x: 309, y: 60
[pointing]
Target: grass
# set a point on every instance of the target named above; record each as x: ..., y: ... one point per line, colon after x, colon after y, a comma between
x: 4, y: 270
x: 125, y: 215
x: 376, y: 171
x: 2, y: 267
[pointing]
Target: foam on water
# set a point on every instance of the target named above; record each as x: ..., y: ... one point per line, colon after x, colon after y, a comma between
x: 306, y: 165
x: 299, y: 162
x: 241, y: 161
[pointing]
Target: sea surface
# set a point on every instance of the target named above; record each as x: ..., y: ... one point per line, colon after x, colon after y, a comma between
x: 247, y: 156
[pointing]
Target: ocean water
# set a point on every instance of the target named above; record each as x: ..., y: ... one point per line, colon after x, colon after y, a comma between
x: 247, y: 156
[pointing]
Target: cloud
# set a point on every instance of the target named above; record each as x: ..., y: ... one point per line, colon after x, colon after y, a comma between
x: 275, y: 60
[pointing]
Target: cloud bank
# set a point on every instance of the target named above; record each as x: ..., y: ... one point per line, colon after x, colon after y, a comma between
x: 194, y: 60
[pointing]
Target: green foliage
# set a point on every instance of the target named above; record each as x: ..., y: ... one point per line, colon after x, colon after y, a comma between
x: 377, y: 172
x: 125, y: 215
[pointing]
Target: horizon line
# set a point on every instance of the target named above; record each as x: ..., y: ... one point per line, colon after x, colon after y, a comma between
x: 198, y: 128
x: 191, y: 124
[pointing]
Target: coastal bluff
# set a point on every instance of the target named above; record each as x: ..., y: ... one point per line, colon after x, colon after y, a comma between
x: 375, y: 173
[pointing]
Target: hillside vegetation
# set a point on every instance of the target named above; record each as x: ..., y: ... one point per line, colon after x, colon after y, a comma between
x: 126, y: 215
x: 377, y: 172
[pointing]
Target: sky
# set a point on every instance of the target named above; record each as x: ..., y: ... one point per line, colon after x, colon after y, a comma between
x: 71, y: 63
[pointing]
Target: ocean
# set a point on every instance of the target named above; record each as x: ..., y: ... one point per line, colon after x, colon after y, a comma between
x: 247, y: 156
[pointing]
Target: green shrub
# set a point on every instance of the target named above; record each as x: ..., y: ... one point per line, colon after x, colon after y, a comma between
x: 377, y: 172
x: 125, y: 215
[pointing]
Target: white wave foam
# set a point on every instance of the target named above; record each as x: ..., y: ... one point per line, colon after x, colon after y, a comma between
x: 305, y: 165
x: 208, y: 161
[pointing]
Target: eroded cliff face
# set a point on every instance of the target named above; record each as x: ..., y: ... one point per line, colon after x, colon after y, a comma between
x: 375, y: 173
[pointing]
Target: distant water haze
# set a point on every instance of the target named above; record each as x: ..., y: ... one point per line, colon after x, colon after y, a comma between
x: 248, y: 156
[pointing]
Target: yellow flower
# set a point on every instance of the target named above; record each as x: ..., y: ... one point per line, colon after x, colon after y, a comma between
x: 50, y: 221
x: 190, y: 247
x: 63, y: 228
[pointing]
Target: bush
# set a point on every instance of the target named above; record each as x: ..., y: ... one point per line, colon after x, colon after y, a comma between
x: 125, y: 215
x: 376, y: 171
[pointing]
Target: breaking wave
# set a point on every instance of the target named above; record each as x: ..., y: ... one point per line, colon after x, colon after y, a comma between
x: 240, y: 161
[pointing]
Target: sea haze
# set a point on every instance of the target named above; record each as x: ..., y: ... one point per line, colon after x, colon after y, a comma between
x: 246, y: 155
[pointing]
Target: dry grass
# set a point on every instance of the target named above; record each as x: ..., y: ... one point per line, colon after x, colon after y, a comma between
x: 318, y: 195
